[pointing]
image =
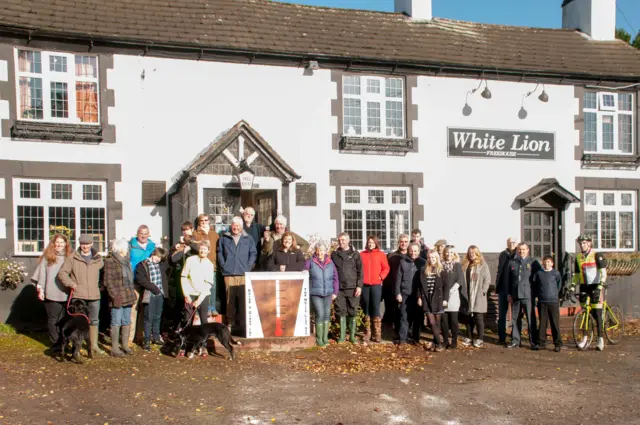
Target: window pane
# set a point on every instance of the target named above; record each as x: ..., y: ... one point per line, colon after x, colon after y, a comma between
x: 608, y: 101
x: 87, y: 102
x: 92, y: 222
x: 537, y: 219
x: 373, y: 117
x: 537, y: 235
x: 399, y: 224
x: 546, y: 235
x: 351, y: 85
x: 61, y: 191
x: 537, y: 251
x: 220, y: 206
x: 31, y: 98
x: 591, y: 131
x: 393, y: 87
x: 86, y: 66
x: 527, y: 236
x: 373, y: 86
x: 57, y: 63
x: 61, y: 220
x: 352, y: 117
x: 626, y: 199
x: 29, y: 61
x: 398, y: 197
x: 626, y: 230
x: 394, y: 119
x: 590, y: 100
x: 29, y: 190
x: 546, y: 219
x: 376, y: 196
x: 625, y: 102
x: 608, y: 229
x: 608, y: 199
x: 625, y: 131
x: 591, y: 226
x: 352, y: 196
x: 353, y: 226
x: 590, y: 199
x: 30, y: 229
x: 607, y: 132
x: 377, y: 225
x: 92, y: 192
x: 59, y: 100
x: 527, y: 219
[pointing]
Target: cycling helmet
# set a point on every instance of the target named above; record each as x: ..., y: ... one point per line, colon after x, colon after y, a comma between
x: 584, y: 237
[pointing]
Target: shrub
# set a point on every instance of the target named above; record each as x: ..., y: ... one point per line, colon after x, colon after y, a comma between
x: 11, y: 273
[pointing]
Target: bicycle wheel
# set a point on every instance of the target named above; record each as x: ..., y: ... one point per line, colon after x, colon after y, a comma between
x: 583, y: 326
x: 613, y: 324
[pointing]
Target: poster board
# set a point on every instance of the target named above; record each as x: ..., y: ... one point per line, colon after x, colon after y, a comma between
x: 277, y: 304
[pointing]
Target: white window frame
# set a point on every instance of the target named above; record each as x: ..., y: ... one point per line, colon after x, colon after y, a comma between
x: 387, y: 205
x: 46, y: 200
x: 617, y: 208
x: 601, y: 111
x: 48, y: 77
x: 380, y: 98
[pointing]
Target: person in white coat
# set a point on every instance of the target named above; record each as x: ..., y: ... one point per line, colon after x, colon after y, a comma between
x: 458, y: 289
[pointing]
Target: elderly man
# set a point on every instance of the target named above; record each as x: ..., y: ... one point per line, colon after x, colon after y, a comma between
x: 237, y: 254
x: 272, y: 239
x: 502, y: 288
x: 81, y: 273
x: 351, y: 279
x: 520, y: 276
x: 253, y: 229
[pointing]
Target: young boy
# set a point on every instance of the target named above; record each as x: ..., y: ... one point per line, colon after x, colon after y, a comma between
x: 547, y: 284
x: 151, y: 274
x: 198, y: 279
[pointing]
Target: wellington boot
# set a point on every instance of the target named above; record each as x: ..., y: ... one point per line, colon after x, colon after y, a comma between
x: 320, y: 334
x: 325, y: 332
x: 125, y: 340
x: 351, y: 320
x: 93, y: 342
x: 343, y: 329
x: 367, y: 329
x: 115, y: 342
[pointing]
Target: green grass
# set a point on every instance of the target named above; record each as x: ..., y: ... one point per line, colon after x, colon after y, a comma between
x: 7, y: 329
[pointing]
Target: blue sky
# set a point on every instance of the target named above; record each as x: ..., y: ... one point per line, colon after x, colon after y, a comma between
x: 532, y: 13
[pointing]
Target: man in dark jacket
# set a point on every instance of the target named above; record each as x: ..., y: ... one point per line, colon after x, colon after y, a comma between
x: 349, y: 265
x: 253, y: 229
x: 151, y: 275
x: 404, y: 293
x: 502, y: 288
x: 388, y: 285
x: 236, y: 254
x: 520, y: 277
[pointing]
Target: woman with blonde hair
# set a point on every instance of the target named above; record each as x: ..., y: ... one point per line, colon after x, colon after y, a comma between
x: 454, y: 280
x: 433, y: 295
x: 478, y: 278
x: 50, y: 289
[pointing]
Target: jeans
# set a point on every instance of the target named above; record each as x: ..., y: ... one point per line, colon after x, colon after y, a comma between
x: 121, y: 316
x: 212, y: 296
x: 518, y: 309
x: 56, y: 310
x: 476, y: 320
x: 402, y: 320
x: 503, y: 309
x: 549, y: 312
x: 152, y: 316
x: 322, y: 307
x: 94, y: 311
x: 371, y: 298
x: 450, y: 323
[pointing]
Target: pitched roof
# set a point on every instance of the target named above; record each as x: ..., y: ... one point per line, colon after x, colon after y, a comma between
x: 544, y: 187
x: 263, y: 26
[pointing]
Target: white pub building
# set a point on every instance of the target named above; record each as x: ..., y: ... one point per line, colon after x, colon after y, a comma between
x: 120, y: 113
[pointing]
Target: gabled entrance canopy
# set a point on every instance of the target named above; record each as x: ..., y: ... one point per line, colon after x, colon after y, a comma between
x: 549, y: 192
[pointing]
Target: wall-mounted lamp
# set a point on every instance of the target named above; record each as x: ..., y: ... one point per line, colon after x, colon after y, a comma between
x: 310, y: 67
x: 544, y: 98
x: 486, y: 94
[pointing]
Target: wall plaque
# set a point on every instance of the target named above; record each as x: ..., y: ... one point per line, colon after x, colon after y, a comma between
x: 306, y: 195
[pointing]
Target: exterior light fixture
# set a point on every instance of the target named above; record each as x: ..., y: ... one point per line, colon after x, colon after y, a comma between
x: 522, y: 113
x: 466, y: 110
x: 486, y: 94
x: 544, y: 97
x: 310, y: 67
x: 245, y: 175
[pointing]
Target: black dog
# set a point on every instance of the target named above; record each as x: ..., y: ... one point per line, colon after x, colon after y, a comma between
x: 74, y: 329
x: 199, y: 335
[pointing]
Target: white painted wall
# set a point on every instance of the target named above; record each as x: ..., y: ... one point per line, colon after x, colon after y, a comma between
x: 164, y: 120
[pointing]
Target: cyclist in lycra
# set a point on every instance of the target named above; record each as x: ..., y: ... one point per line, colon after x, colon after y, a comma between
x: 591, y: 274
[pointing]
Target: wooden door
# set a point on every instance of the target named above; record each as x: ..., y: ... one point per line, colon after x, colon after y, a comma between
x: 539, y: 232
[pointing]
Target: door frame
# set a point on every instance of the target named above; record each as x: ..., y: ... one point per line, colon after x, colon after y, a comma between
x: 558, y: 237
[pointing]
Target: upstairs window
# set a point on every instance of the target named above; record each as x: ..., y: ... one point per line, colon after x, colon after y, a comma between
x: 608, y: 122
x: 57, y: 87
x: 373, y: 106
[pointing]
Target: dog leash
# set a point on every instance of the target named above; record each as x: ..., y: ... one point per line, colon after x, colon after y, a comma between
x: 75, y: 314
x: 188, y: 321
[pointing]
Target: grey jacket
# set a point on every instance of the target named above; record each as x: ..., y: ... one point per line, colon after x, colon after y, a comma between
x: 520, y: 277
x: 477, y: 288
x: 46, y: 277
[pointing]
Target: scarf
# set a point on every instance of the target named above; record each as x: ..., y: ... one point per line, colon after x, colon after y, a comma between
x: 448, y: 266
x: 127, y: 273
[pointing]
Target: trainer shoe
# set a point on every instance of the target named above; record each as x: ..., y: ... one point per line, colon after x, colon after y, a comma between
x: 600, y: 345
x: 467, y: 342
x: 146, y: 346
x: 478, y: 343
x: 158, y: 341
x: 582, y: 344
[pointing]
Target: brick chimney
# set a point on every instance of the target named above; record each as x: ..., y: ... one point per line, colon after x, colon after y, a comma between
x: 597, y: 18
x: 418, y: 10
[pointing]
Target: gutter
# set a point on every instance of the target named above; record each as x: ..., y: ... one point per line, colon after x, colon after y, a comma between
x: 328, y: 61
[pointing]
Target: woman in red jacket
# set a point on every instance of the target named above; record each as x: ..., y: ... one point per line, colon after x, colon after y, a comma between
x: 375, y: 268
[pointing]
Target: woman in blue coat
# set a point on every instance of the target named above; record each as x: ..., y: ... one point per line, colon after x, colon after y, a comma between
x: 324, y: 284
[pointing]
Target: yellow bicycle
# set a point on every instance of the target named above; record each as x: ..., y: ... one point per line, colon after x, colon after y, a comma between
x: 584, y: 323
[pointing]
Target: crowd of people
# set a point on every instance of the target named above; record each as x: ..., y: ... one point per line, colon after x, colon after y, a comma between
x: 204, y: 273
